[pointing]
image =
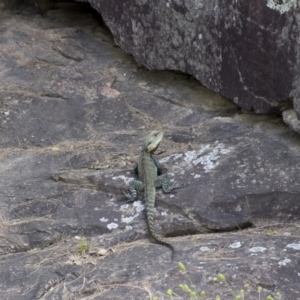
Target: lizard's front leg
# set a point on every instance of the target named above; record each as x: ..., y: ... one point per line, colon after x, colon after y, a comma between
x: 135, y: 186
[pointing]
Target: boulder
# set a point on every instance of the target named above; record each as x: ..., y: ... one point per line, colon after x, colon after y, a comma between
x: 246, y: 51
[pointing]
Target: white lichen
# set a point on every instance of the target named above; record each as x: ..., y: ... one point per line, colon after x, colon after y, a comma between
x: 257, y: 249
x: 172, y: 156
x: 204, y: 249
x: 124, y: 178
x: 124, y: 206
x: 111, y: 226
x: 235, y: 245
x: 282, y: 6
x: 103, y: 220
x: 294, y: 246
x: 138, y: 206
x: 238, y: 208
x: 209, y: 161
x: 128, y: 219
x: 284, y: 262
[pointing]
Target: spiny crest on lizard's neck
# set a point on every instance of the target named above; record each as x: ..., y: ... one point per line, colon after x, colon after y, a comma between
x: 152, y: 141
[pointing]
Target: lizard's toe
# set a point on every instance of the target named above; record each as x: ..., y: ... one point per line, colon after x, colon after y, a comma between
x: 128, y: 196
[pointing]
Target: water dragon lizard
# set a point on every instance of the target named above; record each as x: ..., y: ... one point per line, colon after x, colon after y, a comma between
x: 149, y: 172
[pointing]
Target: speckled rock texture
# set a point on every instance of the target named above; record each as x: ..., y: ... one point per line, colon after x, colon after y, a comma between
x: 246, y: 50
x: 74, y: 109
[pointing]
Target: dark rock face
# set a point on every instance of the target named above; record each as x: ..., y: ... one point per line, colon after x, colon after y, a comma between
x: 74, y: 109
x: 245, y: 50
x: 41, y: 6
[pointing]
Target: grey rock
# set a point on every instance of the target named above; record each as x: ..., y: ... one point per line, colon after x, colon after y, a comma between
x: 290, y: 118
x: 246, y: 51
x: 73, y: 112
x: 41, y: 6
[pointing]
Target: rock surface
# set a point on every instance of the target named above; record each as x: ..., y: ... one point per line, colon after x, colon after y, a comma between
x: 74, y: 110
x: 246, y: 51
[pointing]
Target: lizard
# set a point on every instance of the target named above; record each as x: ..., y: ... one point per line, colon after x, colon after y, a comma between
x: 149, y: 172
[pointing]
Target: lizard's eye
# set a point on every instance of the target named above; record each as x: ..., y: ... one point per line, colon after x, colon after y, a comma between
x: 149, y: 144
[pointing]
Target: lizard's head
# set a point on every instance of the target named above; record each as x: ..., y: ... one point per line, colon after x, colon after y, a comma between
x: 152, y: 141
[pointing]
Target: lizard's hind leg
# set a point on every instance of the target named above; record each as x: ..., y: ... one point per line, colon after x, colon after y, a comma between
x: 166, y: 184
x: 135, y: 186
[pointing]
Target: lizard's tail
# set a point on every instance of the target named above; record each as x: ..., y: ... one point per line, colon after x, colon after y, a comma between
x: 157, y: 239
x: 163, y: 243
